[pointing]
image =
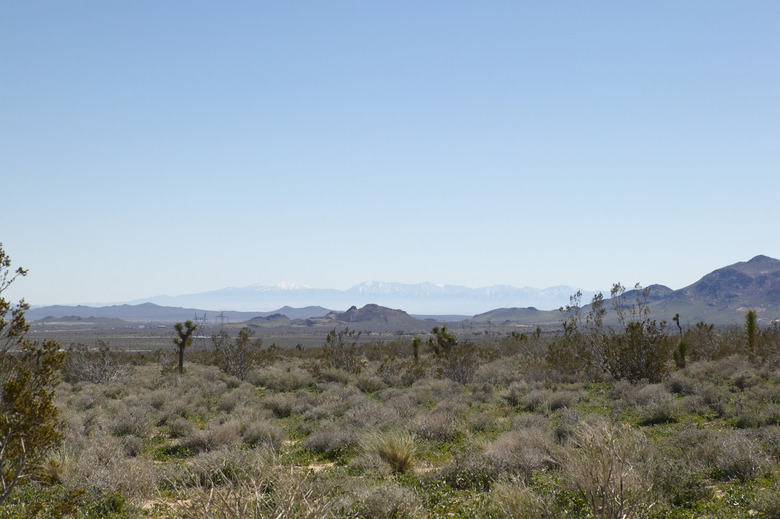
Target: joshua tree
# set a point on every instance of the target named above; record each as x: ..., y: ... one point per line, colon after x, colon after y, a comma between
x: 184, y: 339
x: 416, y: 348
x: 681, y: 351
x: 751, y: 331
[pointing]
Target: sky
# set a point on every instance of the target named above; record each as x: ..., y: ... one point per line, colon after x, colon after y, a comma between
x: 174, y: 147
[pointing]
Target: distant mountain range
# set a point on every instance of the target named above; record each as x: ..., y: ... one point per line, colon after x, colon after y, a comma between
x: 152, y: 313
x: 720, y: 297
x: 423, y: 298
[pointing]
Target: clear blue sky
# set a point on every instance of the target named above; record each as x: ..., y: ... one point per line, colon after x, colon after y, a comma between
x: 170, y: 147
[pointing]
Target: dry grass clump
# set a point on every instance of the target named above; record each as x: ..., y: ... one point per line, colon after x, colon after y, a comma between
x: 396, y: 448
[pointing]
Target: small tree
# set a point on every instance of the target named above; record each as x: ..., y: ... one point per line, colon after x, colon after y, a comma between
x: 184, y: 339
x: 341, y: 350
x: 637, y: 349
x: 29, y: 423
x: 235, y: 357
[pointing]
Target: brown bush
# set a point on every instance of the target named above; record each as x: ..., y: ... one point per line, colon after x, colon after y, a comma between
x: 601, y: 466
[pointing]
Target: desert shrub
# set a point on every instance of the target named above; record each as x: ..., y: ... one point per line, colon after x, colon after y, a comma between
x: 214, y: 436
x: 132, y: 420
x: 331, y: 441
x: 441, y: 423
x: 386, y: 501
x: 766, y: 501
x: 521, y: 451
x: 737, y: 456
x: 680, y: 486
x: 396, y: 448
x: 656, y: 405
x: 158, y: 398
x: 238, y: 356
x: 515, y: 498
x: 681, y: 384
x: 263, y: 433
x: 715, y: 397
x: 281, y: 378
x: 428, y: 391
x: 180, y: 427
x: 481, y: 420
x: 515, y: 393
x: 637, y: 349
x: 601, y: 466
x: 218, y: 467
x: 535, y: 399
x: 500, y: 372
x: 132, y: 445
x: 341, y: 351
x: 402, y: 372
x: 371, y: 414
x: 369, y: 383
x: 566, y: 425
x: 469, y: 470
x: 745, y: 377
x: 239, y: 396
x: 257, y: 489
x: 281, y: 404
x: 332, y: 402
x: 549, y: 400
x: 83, y: 401
x: 98, y: 365
x: 100, y: 465
x: 458, y: 363
x: 333, y: 374
x: 400, y: 403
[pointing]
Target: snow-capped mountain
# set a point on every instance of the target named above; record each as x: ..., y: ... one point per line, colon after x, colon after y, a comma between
x: 420, y: 298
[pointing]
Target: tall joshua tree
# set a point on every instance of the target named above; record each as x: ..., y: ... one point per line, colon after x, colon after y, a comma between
x: 184, y: 339
x: 751, y: 332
